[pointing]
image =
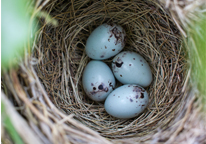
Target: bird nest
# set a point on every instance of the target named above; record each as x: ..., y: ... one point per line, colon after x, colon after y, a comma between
x: 47, y: 88
x: 150, y: 32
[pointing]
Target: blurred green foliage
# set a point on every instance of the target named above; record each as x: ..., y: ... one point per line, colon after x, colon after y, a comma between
x: 18, y: 27
x: 197, y: 46
x: 15, y: 30
x: 9, y: 126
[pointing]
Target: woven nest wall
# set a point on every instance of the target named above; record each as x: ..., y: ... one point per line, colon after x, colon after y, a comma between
x: 149, y: 31
x: 47, y: 88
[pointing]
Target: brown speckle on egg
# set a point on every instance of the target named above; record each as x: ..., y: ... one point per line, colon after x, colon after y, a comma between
x: 117, y: 34
x: 93, y: 92
x: 142, y: 106
x: 100, y: 87
x: 120, y: 36
x: 119, y: 64
x: 138, y: 89
x: 99, y: 90
x: 110, y: 84
x: 142, y: 95
x: 106, y: 89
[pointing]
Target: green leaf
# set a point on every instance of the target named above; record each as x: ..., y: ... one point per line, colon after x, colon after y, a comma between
x: 16, y: 29
x: 9, y: 126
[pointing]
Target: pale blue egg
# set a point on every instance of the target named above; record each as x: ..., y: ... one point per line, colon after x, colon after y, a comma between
x: 127, y: 101
x: 98, y: 80
x: 105, y: 41
x: 131, y: 68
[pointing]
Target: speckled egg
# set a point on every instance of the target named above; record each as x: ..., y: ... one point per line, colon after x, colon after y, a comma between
x: 127, y: 101
x: 131, y: 68
x: 98, y: 80
x: 105, y: 41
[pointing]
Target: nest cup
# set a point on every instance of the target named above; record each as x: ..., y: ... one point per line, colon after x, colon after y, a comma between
x: 60, y: 50
x: 150, y: 32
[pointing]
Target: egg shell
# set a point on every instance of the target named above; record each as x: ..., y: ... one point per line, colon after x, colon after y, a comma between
x: 131, y: 68
x: 105, y: 41
x: 127, y: 101
x: 98, y: 80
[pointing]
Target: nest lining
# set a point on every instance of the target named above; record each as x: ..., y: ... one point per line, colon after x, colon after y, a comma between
x: 150, y: 32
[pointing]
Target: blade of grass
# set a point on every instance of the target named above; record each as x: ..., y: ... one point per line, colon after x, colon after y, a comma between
x: 9, y: 126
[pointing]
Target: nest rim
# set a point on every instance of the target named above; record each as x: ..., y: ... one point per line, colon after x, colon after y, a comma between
x: 74, y: 38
